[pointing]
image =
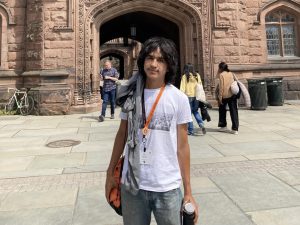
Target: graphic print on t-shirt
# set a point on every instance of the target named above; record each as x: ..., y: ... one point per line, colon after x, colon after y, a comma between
x: 159, y: 121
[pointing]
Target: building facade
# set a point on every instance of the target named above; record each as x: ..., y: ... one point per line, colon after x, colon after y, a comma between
x: 54, y: 47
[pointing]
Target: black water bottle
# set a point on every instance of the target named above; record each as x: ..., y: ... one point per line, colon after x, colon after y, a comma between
x: 188, y: 215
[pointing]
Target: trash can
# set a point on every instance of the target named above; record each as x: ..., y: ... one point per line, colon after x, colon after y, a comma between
x: 258, y: 93
x: 275, y: 91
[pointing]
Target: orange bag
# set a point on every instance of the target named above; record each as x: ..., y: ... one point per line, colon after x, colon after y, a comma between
x: 115, y: 193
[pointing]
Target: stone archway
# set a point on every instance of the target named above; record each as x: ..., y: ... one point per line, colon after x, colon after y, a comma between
x: 122, y: 54
x: 192, y: 20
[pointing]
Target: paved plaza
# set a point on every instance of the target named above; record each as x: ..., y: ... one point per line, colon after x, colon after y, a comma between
x: 252, y: 178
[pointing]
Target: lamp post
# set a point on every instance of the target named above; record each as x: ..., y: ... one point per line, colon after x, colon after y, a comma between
x: 133, y: 31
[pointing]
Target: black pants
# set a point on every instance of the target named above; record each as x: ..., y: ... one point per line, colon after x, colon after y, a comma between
x: 232, y: 103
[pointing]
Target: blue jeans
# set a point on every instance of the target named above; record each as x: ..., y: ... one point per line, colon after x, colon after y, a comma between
x: 165, y: 206
x: 109, y: 96
x: 194, y: 104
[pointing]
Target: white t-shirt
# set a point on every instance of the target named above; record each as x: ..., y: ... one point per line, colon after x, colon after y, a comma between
x: 162, y: 173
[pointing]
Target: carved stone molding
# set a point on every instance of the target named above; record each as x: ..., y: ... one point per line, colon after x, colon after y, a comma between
x: 4, y: 5
x: 69, y: 26
x: 287, y: 3
x: 217, y: 24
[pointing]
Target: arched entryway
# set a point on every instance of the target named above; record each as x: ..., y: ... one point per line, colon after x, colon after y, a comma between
x: 121, y: 56
x: 145, y: 25
x: 179, y: 20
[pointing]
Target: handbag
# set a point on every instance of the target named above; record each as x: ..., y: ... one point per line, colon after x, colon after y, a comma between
x: 115, y: 193
x: 200, y: 93
x: 234, y: 87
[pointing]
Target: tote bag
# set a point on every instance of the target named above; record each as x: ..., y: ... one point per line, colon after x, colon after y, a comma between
x: 200, y: 93
x: 234, y: 87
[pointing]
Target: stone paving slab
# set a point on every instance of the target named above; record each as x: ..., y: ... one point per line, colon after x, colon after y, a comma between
x: 281, y: 155
x: 204, y: 151
x: 267, y: 127
x: 92, y: 209
x: 57, y: 161
x: 291, y: 134
x: 291, y: 177
x: 46, y: 132
x: 73, y: 136
x: 217, y: 209
x: 258, y: 147
x: 96, y: 158
x: 20, y: 142
x: 248, y: 137
x: 292, y: 125
x: 35, y: 126
x: 32, y: 151
x: 86, y: 168
x: 206, y: 139
x: 294, y: 142
x: 255, y: 192
x: 39, y: 199
x: 15, y: 163
x: 7, y: 133
x: 201, y: 161
x: 95, y: 146
x: 100, y: 136
x: 44, y: 216
x: 99, y: 130
x: 69, y: 124
x: 28, y: 173
x: 284, y: 216
x: 202, y: 185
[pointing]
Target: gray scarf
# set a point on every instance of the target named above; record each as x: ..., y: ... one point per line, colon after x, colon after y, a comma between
x: 129, y: 97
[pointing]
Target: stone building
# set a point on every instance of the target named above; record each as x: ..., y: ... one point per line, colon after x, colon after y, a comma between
x: 54, y: 47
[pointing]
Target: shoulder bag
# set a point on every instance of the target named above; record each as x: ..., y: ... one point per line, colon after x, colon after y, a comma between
x: 115, y: 193
x: 200, y: 93
x: 234, y: 87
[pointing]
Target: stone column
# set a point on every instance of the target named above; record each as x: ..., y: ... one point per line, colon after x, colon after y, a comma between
x: 34, y: 35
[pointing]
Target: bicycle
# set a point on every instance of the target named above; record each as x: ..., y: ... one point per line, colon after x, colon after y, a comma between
x: 21, y: 101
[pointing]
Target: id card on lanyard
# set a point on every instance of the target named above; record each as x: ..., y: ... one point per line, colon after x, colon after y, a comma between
x: 146, y: 153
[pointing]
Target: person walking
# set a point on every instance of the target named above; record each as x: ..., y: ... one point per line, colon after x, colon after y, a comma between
x: 157, y: 154
x: 188, y: 84
x: 225, y: 97
x: 109, y: 75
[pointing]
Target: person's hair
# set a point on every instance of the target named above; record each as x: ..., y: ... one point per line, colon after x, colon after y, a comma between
x: 223, y: 67
x: 107, y: 60
x: 168, y: 51
x: 189, y: 71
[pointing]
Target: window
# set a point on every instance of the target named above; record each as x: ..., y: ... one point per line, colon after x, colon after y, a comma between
x: 281, y: 34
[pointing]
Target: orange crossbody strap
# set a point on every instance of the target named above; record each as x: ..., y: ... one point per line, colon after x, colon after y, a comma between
x: 145, y: 129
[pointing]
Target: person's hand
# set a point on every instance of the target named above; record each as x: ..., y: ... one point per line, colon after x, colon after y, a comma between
x: 109, y: 184
x: 219, y: 102
x: 189, y: 198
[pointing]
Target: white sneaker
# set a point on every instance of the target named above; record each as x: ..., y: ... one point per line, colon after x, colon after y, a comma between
x: 234, y: 132
x: 223, y: 129
x: 198, y: 133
